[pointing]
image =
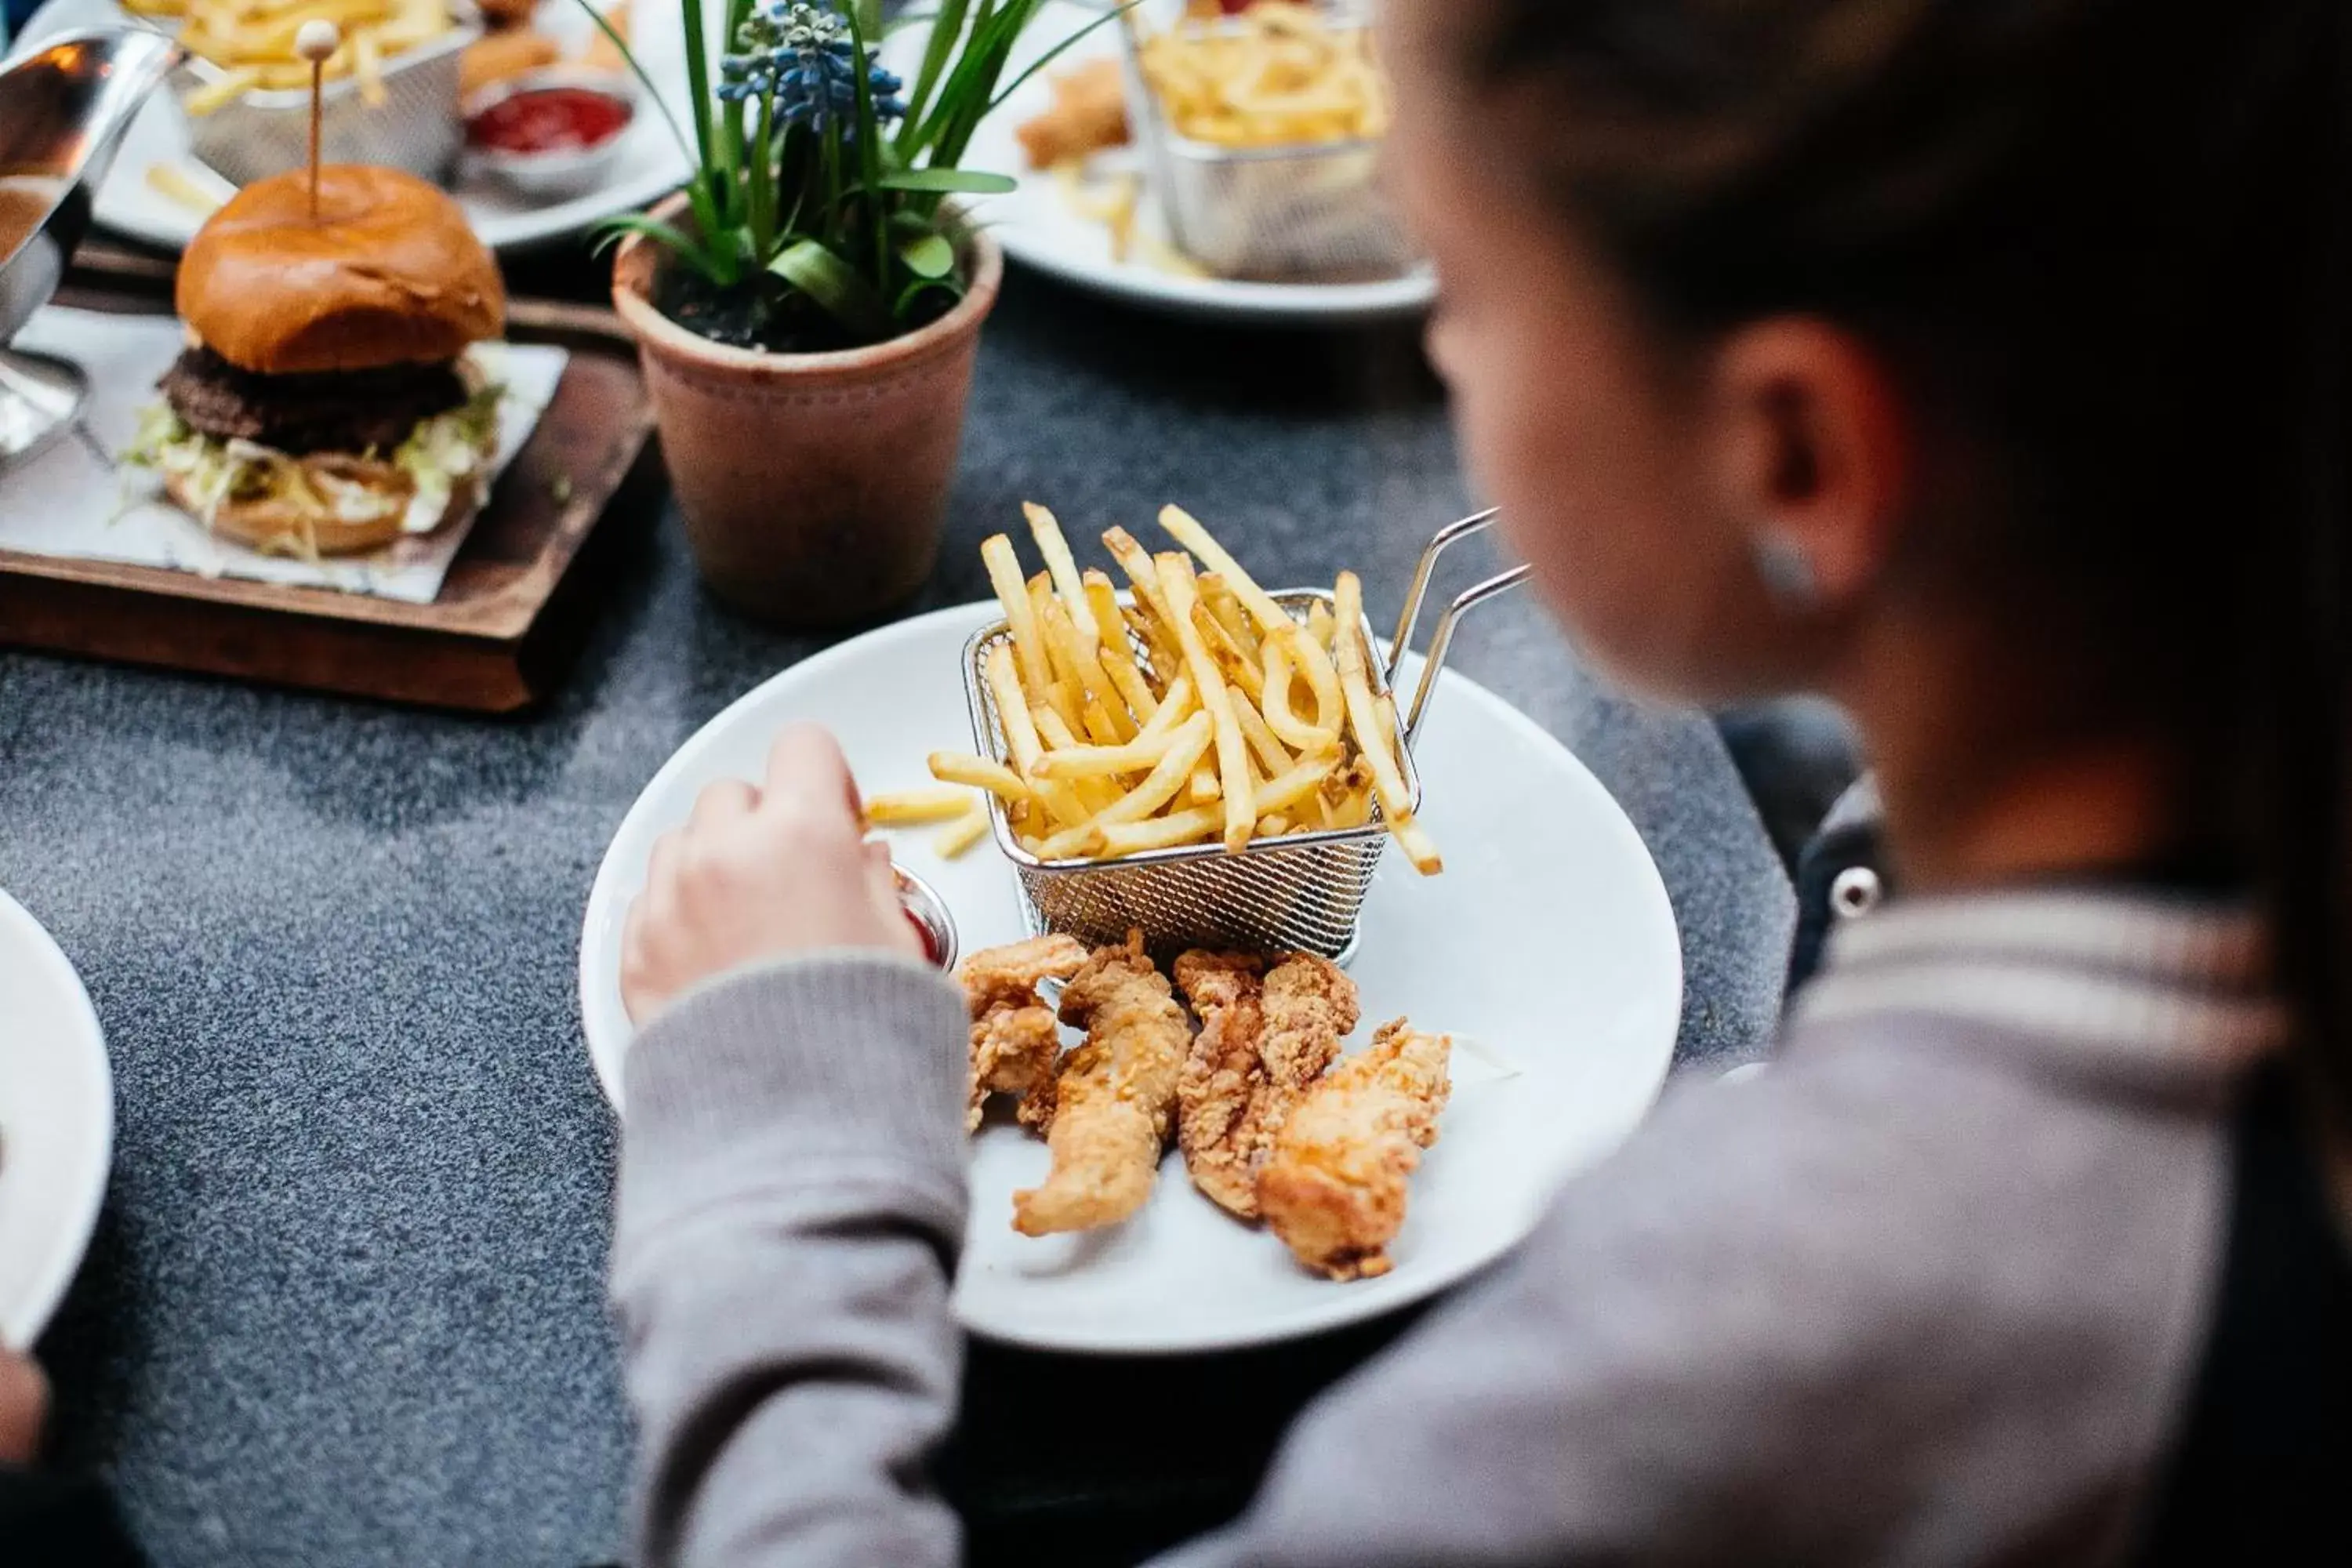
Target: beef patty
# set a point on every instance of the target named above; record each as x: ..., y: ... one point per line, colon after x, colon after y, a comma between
x: 329, y: 411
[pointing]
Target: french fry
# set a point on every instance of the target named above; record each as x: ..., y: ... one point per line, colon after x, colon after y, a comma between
x: 978, y: 772
x: 1218, y: 595
x: 1319, y: 623
x: 1314, y: 662
x: 1094, y: 794
x: 1070, y: 844
x: 1233, y: 752
x: 1270, y: 752
x: 1012, y: 594
x: 183, y: 183
x: 1204, y: 786
x: 1240, y: 669
x: 1118, y: 653
x: 1077, y: 651
x: 1418, y: 846
x: 1188, y: 532
x: 1275, y: 679
x: 1137, y: 757
x: 961, y: 833
x: 1055, y: 549
x: 1175, y: 708
x: 1161, y: 832
x: 1287, y: 789
x: 1193, y: 739
x: 913, y: 808
x: 215, y: 95
x: 1137, y: 562
x: 1372, y: 741
x: 1020, y: 733
x: 1273, y: 825
x: 367, y: 65
x: 1166, y: 661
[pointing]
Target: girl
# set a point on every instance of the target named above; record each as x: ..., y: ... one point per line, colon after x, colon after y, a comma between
x: 1981, y: 364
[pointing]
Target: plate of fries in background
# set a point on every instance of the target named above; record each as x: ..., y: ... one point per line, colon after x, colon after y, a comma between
x: 239, y: 108
x: 1533, y: 948
x: 1276, y: 236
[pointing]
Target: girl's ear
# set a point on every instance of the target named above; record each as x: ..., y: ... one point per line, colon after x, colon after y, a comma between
x: 1811, y: 457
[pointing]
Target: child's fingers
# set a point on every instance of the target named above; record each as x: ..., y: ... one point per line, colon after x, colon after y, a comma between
x: 24, y: 1408
x: 726, y: 801
x: 805, y: 767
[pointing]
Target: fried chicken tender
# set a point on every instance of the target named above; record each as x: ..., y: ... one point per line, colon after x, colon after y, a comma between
x: 1015, y: 1041
x: 1333, y: 1188
x: 1089, y: 113
x: 1115, y: 1095
x: 1261, y: 1045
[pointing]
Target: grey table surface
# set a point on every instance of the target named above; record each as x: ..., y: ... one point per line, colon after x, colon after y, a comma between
x: 344, y: 1304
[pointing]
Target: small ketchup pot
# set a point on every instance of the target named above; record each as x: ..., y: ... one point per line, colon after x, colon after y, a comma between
x: 928, y: 913
x: 548, y: 133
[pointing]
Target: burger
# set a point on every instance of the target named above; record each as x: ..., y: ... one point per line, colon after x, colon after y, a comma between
x: 330, y: 398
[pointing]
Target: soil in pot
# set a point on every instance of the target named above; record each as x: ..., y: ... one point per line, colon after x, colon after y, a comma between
x: 764, y: 313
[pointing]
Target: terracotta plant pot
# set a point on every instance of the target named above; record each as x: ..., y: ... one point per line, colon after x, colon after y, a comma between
x: 812, y: 485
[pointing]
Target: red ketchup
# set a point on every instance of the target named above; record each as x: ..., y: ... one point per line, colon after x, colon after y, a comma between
x: 931, y: 953
x: 549, y: 120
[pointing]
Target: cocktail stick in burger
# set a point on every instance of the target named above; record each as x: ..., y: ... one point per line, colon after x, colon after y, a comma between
x: 328, y: 401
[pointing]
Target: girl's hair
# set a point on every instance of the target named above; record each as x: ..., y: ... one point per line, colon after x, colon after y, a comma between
x: 2103, y: 242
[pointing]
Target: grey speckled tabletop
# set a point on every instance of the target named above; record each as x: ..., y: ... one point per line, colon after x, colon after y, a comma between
x: 344, y: 1305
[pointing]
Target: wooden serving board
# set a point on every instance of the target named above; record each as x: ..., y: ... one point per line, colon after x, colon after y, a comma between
x: 509, y: 616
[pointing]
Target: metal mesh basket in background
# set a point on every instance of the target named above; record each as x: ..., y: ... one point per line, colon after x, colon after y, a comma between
x: 416, y: 128
x: 1272, y: 213
x: 1303, y: 892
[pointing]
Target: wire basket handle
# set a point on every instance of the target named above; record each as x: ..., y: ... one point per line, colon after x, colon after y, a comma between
x: 1440, y: 640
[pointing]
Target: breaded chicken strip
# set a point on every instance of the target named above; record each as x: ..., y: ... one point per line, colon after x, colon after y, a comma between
x: 1115, y: 1095
x: 1260, y: 1045
x: 1223, y: 1076
x: 1333, y: 1188
x: 1015, y: 1041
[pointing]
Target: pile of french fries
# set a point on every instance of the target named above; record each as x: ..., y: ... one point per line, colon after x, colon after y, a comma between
x: 253, y: 41
x: 1192, y: 710
x: 1277, y: 75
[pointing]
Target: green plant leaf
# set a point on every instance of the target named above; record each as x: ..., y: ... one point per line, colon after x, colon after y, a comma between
x: 1050, y: 56
x: 970, y: 181
x: 945, y: 31
x: 870, y: 148
x: 929, y: 257
x: 610, y: 231
x: 838, y: 287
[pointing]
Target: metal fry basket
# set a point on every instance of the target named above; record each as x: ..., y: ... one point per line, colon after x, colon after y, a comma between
x: 1313, y: 211
x: 416, y: 128
x: 1303, y: 892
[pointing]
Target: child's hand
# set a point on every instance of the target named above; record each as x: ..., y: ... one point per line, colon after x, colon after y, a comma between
x: 759, y: 872
x: 24, y: 1408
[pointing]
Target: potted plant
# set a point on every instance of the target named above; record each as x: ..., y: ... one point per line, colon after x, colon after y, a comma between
x: 807, y: 308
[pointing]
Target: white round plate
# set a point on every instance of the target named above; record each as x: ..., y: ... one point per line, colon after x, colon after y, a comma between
x: 649, y: 166
x: 1546, y: 949
x: 1037, y: 226
x: 57, y: 1124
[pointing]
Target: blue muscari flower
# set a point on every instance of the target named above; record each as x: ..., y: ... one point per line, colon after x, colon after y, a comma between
x: 803, y: 55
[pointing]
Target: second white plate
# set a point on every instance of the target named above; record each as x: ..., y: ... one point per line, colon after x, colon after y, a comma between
x: 1546, y: 949
x: 1037, y: 226
x: 650, y: 164
x: 56, y: 1123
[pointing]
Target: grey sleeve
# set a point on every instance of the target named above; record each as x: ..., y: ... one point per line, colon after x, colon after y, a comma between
x: 791, y: 1201
x: 1874, y: 1309
x: 1890, y: 1303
